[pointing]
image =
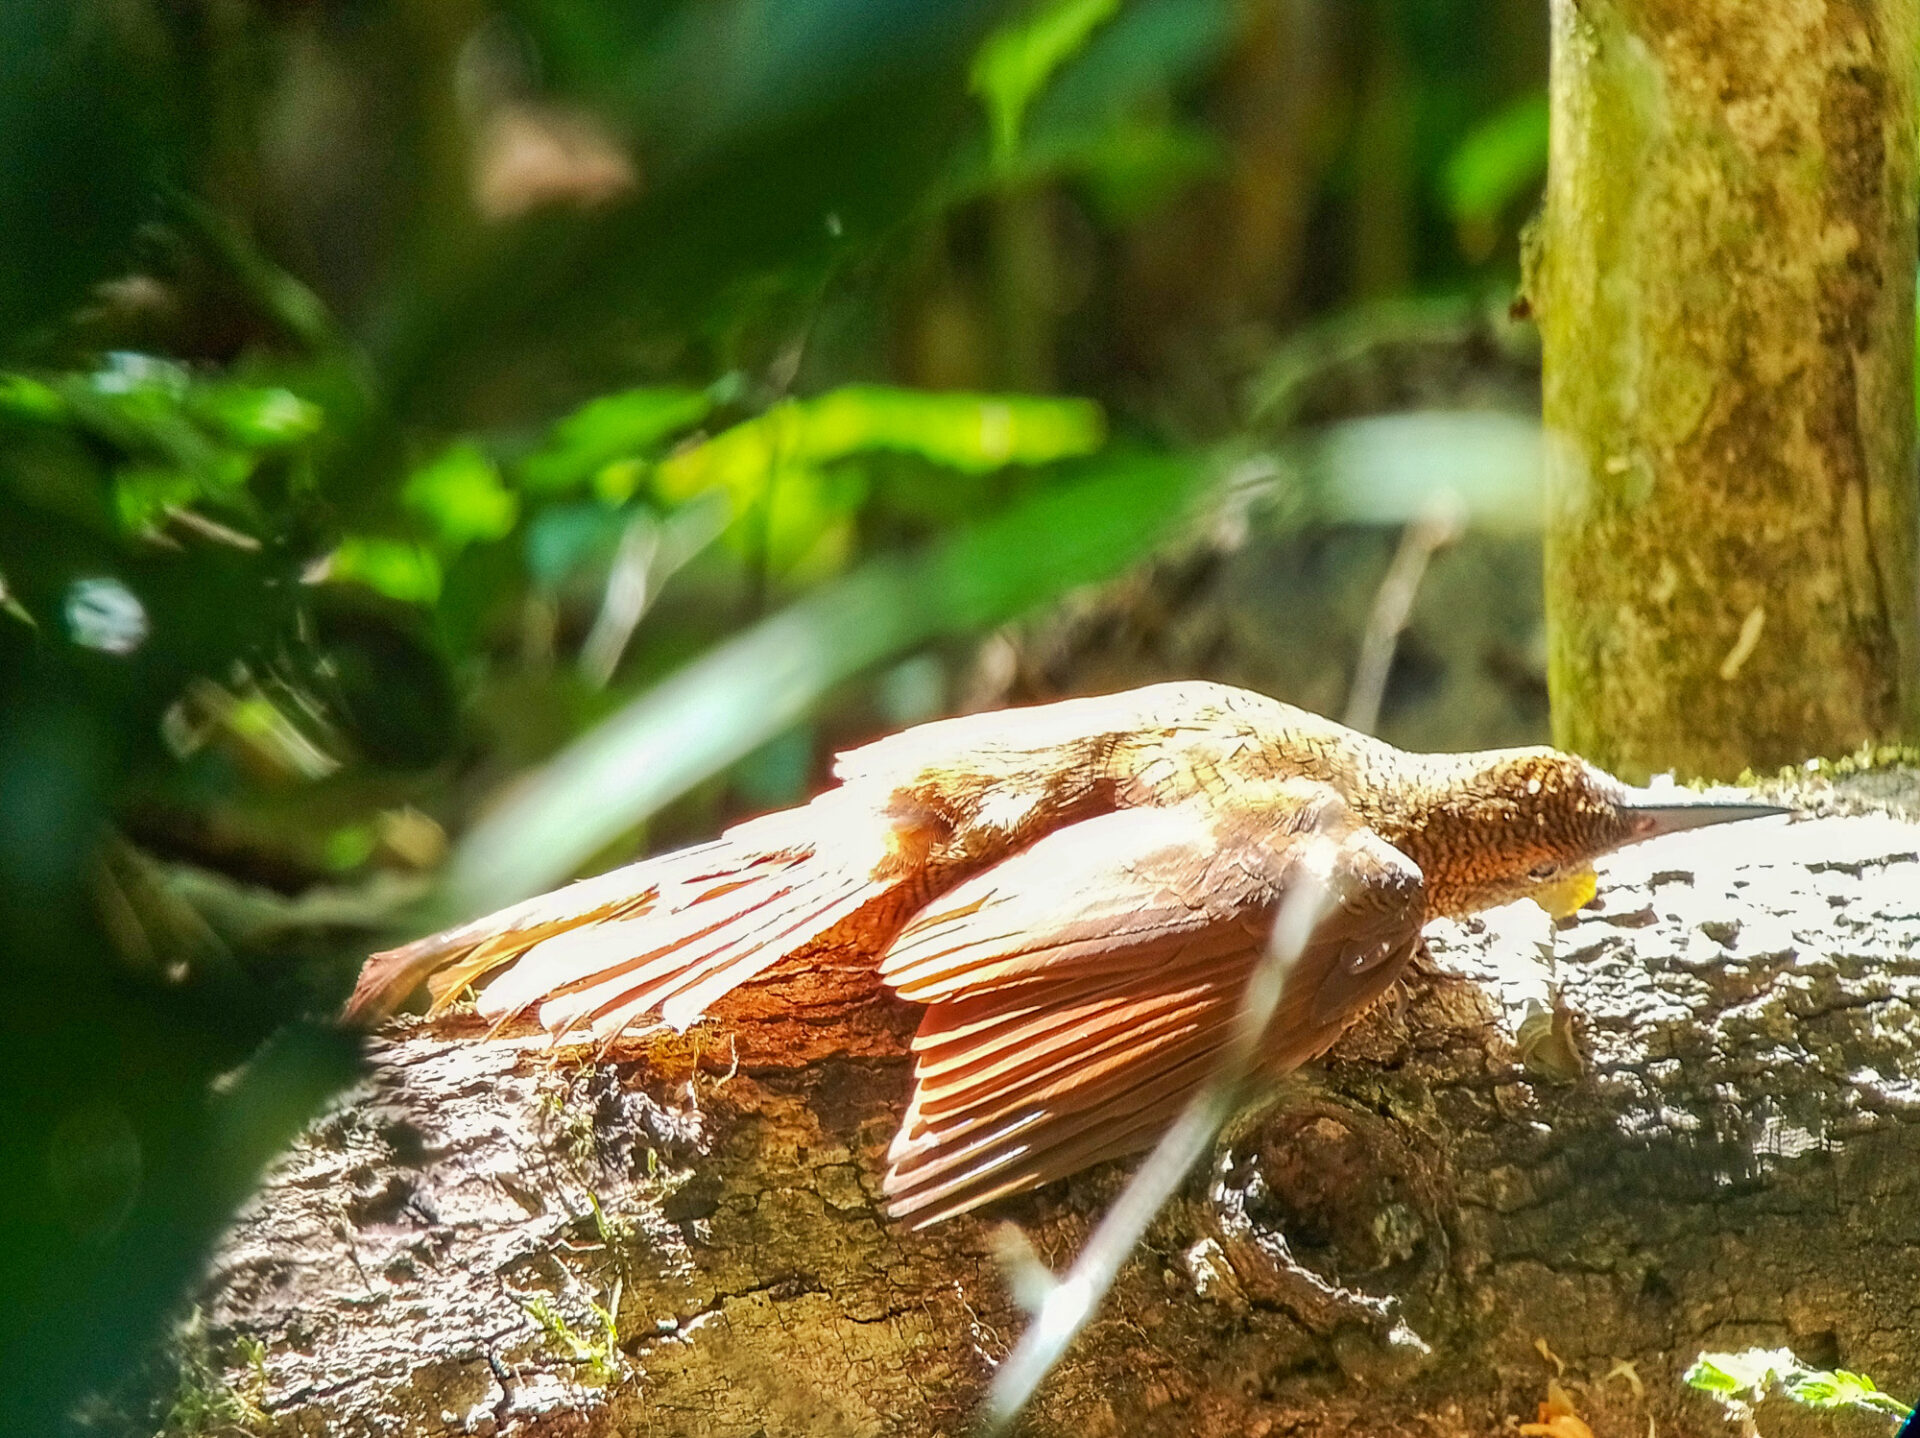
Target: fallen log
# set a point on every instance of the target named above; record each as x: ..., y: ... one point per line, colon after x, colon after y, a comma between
x: 1687, y: 1119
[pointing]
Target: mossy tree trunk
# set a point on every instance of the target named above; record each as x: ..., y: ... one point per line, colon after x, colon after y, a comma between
x: 1725, y: 291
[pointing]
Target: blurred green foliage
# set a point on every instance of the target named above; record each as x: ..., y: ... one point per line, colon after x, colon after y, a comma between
x: 1014, y: 65
x: 1499, y: 161
x: 400, y: 399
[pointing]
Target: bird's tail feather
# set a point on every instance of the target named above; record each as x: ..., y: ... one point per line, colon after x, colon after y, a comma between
x: 667, y: 937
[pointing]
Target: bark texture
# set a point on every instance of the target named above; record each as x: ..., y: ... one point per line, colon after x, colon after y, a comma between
x: 1725, y: 292
x: 1707, y: 1135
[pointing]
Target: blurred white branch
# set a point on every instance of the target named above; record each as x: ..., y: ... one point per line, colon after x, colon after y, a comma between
x: 1068, y: 1303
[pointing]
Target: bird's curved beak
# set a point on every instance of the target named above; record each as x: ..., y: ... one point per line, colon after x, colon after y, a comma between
x: 1661, y: 811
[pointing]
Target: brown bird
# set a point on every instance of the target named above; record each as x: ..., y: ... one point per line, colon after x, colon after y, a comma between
x: 1077, y: 892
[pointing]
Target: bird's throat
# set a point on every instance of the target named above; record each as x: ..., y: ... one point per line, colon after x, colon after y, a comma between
x: 1569, y: 894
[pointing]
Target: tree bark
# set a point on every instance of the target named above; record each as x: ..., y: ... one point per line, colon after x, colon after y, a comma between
x: 1725, y: 291
x: 1716, y: 1142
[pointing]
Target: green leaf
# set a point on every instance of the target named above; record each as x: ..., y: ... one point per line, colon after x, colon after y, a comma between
x: 349, y: 847
x: 969, y: 432
x: 140, y: 378
x: 807, y: 529
x: 393, y: 567
x: 255, y: 416
x: 1015, y: 62
x: 27, y: 398
x: 1841, y: 1389
x: 184, y: 438
x: 561, y: 539
x: 1818, y: 1390
x: 461, y: 496
x: 142, y: 494
x: 1140, y: 167
x: 162, y: 418
x: 1747, y: 1377
x: 139, y: 403
x: 1747, y: 1372
x: 1711, y: 1377
x: 613, y: 427
x: 1707, y: 1375
x: 1501, y: 157
x: 1107, y: 117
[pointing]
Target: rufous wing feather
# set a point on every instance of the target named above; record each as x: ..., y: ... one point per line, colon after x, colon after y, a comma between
x: 1083, y: 989
x: 663, y: 938
x: 484, y: 944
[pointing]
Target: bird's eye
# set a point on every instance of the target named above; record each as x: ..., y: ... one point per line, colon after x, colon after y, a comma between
x: 1540, y: 873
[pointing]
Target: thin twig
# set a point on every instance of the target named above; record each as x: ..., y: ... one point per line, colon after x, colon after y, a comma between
x: 1436, y: 528
x: 629, y: 582
x: 211, y: 528
x: 651, y: 552
x: 1067, y: 1304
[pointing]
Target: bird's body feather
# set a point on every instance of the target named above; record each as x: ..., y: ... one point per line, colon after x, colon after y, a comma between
x: 1088, y: 984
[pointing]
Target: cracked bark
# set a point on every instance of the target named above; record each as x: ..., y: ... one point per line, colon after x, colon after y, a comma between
x: 1729, y: 1154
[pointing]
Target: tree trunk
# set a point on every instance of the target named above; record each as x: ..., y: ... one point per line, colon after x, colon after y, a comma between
x: 1717, y: 1143
x: 1725, y: 292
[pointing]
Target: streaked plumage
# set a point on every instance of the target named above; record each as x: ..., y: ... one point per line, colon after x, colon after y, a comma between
x: 1077, y: 892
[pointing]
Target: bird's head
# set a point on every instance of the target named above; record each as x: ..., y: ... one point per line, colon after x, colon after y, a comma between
x: 1528, y: 823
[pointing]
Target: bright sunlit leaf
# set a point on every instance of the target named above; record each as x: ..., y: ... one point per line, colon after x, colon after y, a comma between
x: 970, y: 432
x: 393, y: 567
x: 461, y: 495
x: 613, y: 427
x: 1746, y: 1378
x: 1837, y: 1389
x: 1749, y: 1371
x: 256, y: 416
x: 808, y: 526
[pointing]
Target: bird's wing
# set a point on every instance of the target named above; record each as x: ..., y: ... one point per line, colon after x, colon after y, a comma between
x: 1082, y: 990
x: 665, y: 937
